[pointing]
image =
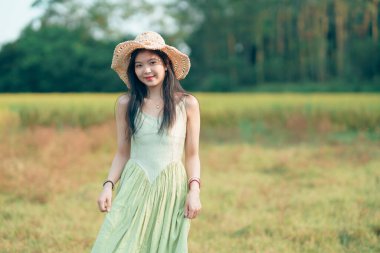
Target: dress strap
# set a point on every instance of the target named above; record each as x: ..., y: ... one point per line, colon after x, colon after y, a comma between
x: 182, y: 106
x: 184, y: 101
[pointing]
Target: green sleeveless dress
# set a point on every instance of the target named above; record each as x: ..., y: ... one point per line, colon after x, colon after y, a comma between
x: 147, y: 213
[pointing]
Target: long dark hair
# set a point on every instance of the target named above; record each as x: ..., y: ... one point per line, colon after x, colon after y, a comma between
x: 139, y: 91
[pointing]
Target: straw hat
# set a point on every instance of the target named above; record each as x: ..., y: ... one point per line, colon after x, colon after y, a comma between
x: 153, y: 41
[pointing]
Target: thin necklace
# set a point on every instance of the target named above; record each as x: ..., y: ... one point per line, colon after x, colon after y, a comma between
x: 157, y: 105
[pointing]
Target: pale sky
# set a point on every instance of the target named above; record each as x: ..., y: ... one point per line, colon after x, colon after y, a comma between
x: 14, y: 15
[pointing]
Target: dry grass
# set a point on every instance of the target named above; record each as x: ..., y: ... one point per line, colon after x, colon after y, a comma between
x: 241, y: 112
x: 288, y: 198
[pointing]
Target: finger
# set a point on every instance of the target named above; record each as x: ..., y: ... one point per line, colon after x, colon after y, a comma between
x: 195, y: 213
x: 108, y: 206
x: 103, y: 205
x: 186, y: 210
x: 100, y: 205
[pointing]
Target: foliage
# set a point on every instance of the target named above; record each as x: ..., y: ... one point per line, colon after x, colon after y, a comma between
x: 233, y: 45
x: 57, y: 59
x: 245, y: 43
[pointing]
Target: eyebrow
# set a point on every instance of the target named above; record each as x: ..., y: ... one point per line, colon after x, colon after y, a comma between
x: 153, y: 58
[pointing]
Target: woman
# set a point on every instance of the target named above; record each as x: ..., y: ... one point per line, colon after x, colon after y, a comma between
x: 156, y: 120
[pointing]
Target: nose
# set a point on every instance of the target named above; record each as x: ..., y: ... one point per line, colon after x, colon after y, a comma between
x: 147, y: 70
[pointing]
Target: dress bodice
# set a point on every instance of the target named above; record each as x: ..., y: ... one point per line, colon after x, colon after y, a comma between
x: 152, y: 151
x: 148, y: 210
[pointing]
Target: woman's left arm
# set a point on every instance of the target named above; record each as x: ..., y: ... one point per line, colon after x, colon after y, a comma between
x: 192, y: 161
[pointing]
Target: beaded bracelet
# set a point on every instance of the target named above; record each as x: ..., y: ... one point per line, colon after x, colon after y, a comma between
x: 109, y: 181
x: 197, y: 179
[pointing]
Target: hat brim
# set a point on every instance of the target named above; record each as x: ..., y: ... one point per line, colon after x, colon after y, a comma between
x: 122, y: 55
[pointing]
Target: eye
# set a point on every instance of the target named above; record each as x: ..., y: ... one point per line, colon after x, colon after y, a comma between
x: 153, y: 62
x: 138, y: 65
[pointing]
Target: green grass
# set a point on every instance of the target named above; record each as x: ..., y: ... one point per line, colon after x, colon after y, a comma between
x: 255, y: 199
x: 293, y: 199
x: 242, y: 117
x: 288, y: 173
x: 349, y: 111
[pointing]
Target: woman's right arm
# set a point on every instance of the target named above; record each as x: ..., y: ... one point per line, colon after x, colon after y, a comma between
x: 122, y: 154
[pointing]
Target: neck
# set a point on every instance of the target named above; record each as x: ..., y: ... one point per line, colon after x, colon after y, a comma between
x: 155, y: 93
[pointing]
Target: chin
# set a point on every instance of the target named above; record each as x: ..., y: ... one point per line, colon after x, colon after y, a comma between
x: 152, y: 84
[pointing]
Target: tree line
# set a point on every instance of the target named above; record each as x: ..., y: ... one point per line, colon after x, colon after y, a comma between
x: 233, y: 45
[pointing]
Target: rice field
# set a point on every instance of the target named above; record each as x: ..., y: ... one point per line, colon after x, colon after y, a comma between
x: 282, y: 173
x: 239, y: 116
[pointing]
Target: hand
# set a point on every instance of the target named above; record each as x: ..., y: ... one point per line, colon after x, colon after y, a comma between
x: 193, y: 204
x: 105, y: 197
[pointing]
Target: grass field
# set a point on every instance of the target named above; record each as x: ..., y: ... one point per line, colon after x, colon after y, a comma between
x: 323, y: 112
x: 286, y: 188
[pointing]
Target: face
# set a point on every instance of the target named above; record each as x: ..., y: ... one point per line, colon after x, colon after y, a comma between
x: 150, y: 69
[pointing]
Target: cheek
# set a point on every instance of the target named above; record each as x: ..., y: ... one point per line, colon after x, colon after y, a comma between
x: 162, y: 71
x: 137, y: 72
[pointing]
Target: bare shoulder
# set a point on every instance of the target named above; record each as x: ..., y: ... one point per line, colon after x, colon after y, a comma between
x: 123, y: 99
x: 191, y: 104
x: 122, y: 104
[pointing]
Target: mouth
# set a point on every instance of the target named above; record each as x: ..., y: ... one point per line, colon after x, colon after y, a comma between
x: 149, y: 77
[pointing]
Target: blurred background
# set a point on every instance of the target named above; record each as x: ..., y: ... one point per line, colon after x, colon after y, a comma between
x: 326, y: 45
x: 290, y: 120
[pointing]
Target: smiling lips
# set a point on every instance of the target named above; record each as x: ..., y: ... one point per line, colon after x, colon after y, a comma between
x: 149, y: 78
